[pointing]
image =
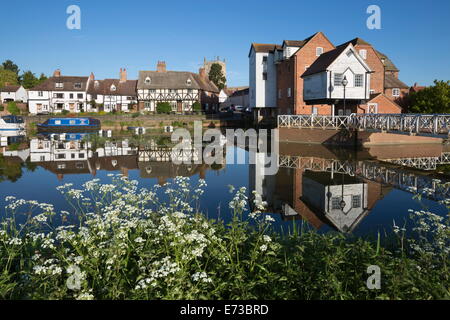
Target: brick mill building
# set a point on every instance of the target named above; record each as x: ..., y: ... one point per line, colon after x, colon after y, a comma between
x: 277, y: 78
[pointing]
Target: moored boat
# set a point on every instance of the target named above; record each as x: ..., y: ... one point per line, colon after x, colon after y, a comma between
x: 69, y: 125
x: 11, y: 123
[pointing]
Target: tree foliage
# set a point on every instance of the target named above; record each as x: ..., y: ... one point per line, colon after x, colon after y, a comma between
x: 7, y: 76
x: 216, y: 76
x: 196, y: 106
x: 163, y: 107
x: 11, y: 66
x: 433, y: 99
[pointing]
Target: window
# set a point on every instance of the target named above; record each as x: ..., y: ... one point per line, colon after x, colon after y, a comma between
x: 61, y: 166
x: 148, y: 80
x: 363, y: 53
x: 265, y: 59
x: 358, y: 80
x: 81, y: 155
x: 60, y: 156
x: 289, y: 92
x: 58, y: 95
x: 59, y: 106
x: 338, y: 77
x: 80, y: 96
x: 264, y: 75
x: 77, y: 85
x: 72, y: 155
x: 319, y: 51
x: 59, y: 85
x: 113, y: 87
x: 40, y: 94
x: 336, y: 203
x: 188, y: 82
x: 356, y: 201
x: 396, y: 92
x: 71, y: 96
x: 349, y: 53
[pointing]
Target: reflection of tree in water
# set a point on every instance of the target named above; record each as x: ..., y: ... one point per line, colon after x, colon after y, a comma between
x: 10, y: 170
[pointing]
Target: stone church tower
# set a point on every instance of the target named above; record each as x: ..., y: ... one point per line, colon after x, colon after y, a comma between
x: 208, y: 63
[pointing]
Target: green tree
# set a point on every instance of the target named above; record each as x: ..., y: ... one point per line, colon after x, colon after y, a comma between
x: 28, y: 80
x: 163, y: 107
x: 11, y: 66
x: 7, y: 76
x: 216, y: 76
x: 13, y: 109
x: 433, y: 99
x: 196, y: 106
x: 42, y: 78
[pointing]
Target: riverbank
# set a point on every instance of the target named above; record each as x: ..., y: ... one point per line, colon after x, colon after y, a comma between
x: 150, y: 121
x: 136, y: 245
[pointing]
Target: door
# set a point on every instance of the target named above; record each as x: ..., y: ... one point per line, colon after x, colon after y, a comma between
x: 39, y: 108
x: 72, y: 107
x: 179, y: 106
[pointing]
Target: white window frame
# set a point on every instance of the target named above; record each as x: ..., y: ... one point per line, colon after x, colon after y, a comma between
x: 289, y: 92
x: 319, y: 51
x: 374, y: 106
x: 59, y: 85
x: 359, y: 80
x: 363, y: 53
x: 396, y: 92
x: 338, y: 83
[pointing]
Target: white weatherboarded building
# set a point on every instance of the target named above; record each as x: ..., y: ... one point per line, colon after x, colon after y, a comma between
x: 13, y: 93
x: 59, y: 93
x: 323, y: 81
x: 263, y: 77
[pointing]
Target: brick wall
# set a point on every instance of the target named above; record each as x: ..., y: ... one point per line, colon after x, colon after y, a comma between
x: 375, y: 64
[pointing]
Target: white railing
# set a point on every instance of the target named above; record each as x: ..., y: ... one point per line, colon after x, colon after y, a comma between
x: 374, y: 171
x: 314, y: 121
x: 434, y: 124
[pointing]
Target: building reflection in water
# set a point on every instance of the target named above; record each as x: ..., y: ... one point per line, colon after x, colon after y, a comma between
x: 64, y: 154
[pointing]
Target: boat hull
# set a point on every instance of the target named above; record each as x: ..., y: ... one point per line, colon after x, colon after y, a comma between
x: 68, y: 129
x: 70, y: 125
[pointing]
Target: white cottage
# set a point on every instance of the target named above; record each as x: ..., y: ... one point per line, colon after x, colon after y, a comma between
x: 324, y: 80
x: 13, y: 93
x: 59, y: 93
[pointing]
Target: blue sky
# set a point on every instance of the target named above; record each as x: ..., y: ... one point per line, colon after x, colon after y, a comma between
x: 136, y: 34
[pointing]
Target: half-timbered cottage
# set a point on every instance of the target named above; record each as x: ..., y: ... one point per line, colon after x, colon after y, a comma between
x: 112, y: 94
x: 180, y: 89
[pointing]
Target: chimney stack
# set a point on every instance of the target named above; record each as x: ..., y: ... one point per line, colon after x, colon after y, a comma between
x: 161, y: 66
x: 202, y: 72
x: 123, y: 75
x: 57, y: 73
x: 91, y: 77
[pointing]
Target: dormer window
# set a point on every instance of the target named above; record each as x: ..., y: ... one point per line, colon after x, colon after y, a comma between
x: 188, y: 82
x: 77, y: 85
x: 96, y: 83
x: 113, y: 87
x: 59, y: 85
x: 148, y: 80
x: 349, y: 53
x: 319, y: 51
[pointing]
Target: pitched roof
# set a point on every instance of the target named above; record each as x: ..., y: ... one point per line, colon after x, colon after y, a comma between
x: 324, y: 61
x: 388, y: 64
x: 174, y: 80
x: 357, y: 41
x: 68, y: 84
x: 391, y: 81
x: 294, y: 43
x: 103, y: 87
x: 265, y: 47
x: 10, y: 88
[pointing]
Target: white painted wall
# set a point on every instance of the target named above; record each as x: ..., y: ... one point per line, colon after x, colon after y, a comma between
x: 20, y: 95
x: 262, y: 92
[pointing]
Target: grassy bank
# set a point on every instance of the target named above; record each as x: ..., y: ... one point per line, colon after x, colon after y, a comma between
x: 124, y: 242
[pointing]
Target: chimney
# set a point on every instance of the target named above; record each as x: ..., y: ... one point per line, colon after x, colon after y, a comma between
x: 202, y: 72
x: 161, y: 66
x: 57, y: 73
x: 91, y: 77
x: 123, y: 75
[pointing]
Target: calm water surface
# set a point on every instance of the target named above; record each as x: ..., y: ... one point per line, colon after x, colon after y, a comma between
x: 310, y: 184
